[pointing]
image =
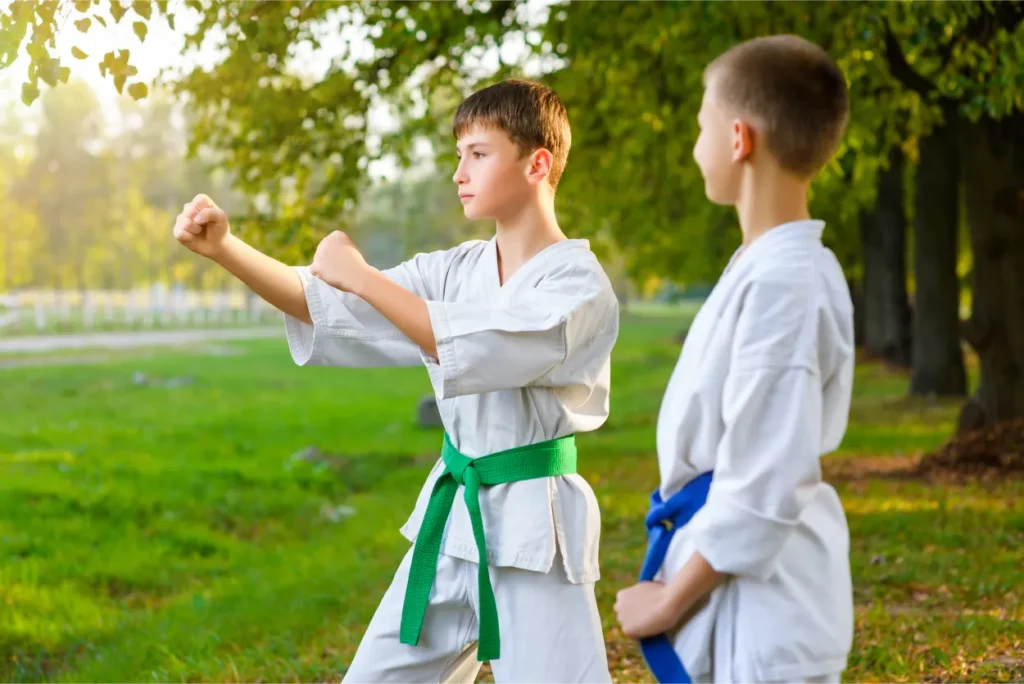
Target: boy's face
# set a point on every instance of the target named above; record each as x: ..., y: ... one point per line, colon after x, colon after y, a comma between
x: 723, y: 144
x: 492, y: 175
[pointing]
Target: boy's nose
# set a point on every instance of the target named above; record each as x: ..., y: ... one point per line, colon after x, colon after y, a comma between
x: 460, y: 176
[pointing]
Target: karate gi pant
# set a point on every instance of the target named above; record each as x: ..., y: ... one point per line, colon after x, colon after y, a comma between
x: 550, y: 629
x: 835, y: 678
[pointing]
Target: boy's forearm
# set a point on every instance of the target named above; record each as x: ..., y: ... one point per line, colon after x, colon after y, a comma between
x: 405, y: 310
x: 275, y: 282
x: 695, y: 580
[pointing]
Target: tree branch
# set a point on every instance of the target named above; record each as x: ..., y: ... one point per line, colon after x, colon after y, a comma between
x: 1005, y: 15
x: 900, y: 68
x: 980, y: 29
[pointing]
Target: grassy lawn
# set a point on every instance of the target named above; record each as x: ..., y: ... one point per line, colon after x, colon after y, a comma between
x: 156, y: 524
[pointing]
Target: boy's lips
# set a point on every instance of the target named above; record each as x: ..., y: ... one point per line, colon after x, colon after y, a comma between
x: 465, y: 198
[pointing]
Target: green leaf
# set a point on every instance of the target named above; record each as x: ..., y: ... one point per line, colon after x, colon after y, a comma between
x: 140, y: 30
x: 101, y: 20
x: 29, y: 93
x: 116, y: 10
x: 77, y: 53
x: 83, y: 24
x: 49, y: 71
x: 143, y: 8
x: 119, y: 82
x: 138, y: 90
x: 82, y: 5
x: 65, y: 74
x: 107, y: 65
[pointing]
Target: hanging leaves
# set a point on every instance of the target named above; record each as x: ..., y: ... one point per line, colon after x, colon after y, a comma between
x: 630, y: 74
x: 138, y: 90
x: 117, y: 10
x: 29, y: 93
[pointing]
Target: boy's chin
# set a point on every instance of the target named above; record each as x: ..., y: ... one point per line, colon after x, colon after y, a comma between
x: 717, y: 197
x: 473, y: 214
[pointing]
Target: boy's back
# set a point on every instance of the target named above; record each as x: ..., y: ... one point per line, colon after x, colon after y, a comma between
x: 751, y: 547
x: 771, y: 352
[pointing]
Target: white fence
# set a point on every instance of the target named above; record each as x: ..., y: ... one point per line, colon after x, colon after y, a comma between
x: 46, y: 311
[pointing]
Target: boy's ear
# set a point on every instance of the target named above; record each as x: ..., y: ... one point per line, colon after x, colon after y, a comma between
x: 540, y: 165
x: 742, y: 140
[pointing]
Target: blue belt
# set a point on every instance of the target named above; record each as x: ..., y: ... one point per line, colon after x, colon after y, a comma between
x: 663, y: 519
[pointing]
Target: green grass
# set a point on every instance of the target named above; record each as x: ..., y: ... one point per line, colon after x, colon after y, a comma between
x: 163, y: 532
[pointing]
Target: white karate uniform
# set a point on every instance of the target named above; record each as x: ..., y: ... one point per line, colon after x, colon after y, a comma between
x: 518, y: 363
x: 761, y: 390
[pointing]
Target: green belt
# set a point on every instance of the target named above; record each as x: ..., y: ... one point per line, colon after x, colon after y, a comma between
x: 545, y: 459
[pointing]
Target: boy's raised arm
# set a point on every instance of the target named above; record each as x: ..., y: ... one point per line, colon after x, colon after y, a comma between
x: 479, y: 347
x: 275, y: 282
x: 203, y: 227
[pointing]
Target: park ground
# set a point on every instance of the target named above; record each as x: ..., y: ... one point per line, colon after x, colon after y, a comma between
x: 218, y: 514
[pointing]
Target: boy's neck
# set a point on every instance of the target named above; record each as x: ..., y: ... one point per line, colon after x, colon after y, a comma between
x: 523, y: 234
x: 768, y: 201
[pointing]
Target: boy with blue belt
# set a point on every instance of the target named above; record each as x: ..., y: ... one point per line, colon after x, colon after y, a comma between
x: 747, y: 575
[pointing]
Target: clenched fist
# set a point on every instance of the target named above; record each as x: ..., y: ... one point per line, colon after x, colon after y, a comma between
x: 338, y: 263
x: 202, y: 226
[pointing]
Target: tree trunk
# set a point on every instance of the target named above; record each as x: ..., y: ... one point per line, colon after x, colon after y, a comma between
x: 938, y: 361
x: 858, y: 311
x: 883, y: 237
x: 993, y: 159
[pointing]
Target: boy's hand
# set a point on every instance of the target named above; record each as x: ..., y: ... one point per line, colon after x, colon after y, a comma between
x: 202, y: 226
x: 338, y: 263
x: 645, y: 609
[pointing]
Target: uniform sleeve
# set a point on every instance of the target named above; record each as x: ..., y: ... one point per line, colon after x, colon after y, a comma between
x: 558, y: 334
x: 767, y: 462
x: 348, y: 332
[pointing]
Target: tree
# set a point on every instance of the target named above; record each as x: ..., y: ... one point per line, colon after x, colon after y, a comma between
x: 68, y: 182
x: 301, y: 141
x: 886, y: 309
x: 98, y: 207
x: 631, y: 76
x: 938, y: 367
x: 154, y: 174
x: 21, y: 241
x: 922, y: 67
x: 993, y: 154
x: 298, y: 142
x: 973, y: 77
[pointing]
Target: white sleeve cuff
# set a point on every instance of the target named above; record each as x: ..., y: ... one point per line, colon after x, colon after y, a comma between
x: 305, y: 341
x: 738, y: 541
x: 443, y: 370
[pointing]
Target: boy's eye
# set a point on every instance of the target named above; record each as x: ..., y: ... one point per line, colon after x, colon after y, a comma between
x: 478, y: 155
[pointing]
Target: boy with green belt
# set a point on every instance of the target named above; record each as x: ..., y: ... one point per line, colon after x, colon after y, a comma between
x: 516, y: 334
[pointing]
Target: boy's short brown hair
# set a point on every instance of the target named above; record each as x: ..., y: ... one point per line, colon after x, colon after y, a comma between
x: 530, y: 113
x: 791, y: 88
